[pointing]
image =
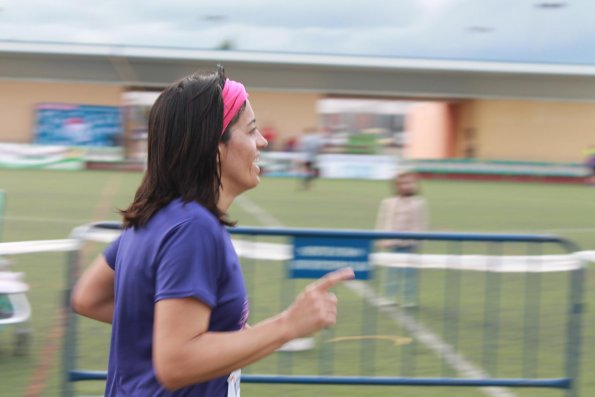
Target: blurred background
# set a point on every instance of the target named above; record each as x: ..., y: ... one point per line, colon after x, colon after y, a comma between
x: 490, y: 104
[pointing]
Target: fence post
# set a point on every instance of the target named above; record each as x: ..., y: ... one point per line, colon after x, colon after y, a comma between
x: 70, y: 331
x: 574, y: 335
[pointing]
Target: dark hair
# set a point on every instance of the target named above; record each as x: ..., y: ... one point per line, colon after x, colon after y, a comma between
x: 185, y: 126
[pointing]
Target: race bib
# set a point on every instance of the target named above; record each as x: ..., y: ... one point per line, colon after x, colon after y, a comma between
x: 233, y: 383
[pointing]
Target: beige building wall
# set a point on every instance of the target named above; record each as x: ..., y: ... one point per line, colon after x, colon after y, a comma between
x: 484, y: 129
x: 531, y: 130
x: 465, y: 137
x: 18, y: 100
x: 290, y: 114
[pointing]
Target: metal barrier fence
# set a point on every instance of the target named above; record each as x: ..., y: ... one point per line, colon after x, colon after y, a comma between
x: 479, y: 316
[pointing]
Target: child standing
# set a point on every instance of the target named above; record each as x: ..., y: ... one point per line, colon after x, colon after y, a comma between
x: 406, y: 211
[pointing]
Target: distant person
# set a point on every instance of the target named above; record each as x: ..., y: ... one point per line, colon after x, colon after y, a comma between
x: 405, y: 211
x: 310, y: 146
x: 290, y: 144
x: 270, y: 134
x: 590, y: 164
x: 171, y: 285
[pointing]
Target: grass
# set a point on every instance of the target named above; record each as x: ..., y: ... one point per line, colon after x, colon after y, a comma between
x: 48, y: 204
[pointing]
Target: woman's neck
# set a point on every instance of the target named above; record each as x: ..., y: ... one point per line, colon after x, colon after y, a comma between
x: 225, y: 200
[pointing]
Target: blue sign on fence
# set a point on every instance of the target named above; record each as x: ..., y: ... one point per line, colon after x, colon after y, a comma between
x: 78, y: 125
x: 313, y: 257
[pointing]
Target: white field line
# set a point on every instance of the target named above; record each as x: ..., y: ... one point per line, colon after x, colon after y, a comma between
x: 432, y: 341
x: 256, y: 211
x: 45, y: 220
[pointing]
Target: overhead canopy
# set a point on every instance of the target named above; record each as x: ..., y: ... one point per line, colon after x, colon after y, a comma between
x: 148, y: 67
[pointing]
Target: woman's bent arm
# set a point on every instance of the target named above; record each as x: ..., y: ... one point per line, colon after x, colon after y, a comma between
x: 184, y: 353
x: 93, y: 294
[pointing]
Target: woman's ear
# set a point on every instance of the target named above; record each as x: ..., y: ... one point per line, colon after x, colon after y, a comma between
x: 222, y: 149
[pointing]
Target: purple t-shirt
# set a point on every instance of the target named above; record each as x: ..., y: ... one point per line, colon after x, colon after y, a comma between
x: 182, y: 252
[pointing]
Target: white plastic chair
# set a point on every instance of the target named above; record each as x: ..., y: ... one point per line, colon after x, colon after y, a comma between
x: 15, y: 309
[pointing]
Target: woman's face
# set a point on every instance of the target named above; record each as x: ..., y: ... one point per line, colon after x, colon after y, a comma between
x: 240, y: 153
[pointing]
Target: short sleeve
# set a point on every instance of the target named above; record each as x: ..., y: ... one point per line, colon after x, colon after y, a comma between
x: 111, y: 253
x: 187, y: 264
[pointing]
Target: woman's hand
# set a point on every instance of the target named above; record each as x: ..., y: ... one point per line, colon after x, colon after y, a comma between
x: 315, y: 307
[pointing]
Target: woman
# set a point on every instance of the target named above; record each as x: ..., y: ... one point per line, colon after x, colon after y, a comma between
x: 406, y: 211
x: 171, y: 284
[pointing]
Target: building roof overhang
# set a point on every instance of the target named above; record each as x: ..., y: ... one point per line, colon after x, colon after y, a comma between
x: 154, y: 67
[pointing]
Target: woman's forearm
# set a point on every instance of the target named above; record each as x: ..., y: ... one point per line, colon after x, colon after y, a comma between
x: 215, y: 354
x: 103, y: 311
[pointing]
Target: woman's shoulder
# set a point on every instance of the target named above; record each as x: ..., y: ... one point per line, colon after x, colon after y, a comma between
x: 178, y: 212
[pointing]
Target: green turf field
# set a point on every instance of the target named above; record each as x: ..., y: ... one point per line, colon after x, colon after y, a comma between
x: 48, y: 204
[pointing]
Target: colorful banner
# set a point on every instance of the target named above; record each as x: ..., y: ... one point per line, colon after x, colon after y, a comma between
x: 78, y: 125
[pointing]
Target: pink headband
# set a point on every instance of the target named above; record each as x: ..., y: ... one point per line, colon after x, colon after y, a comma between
x: 234, y: 95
